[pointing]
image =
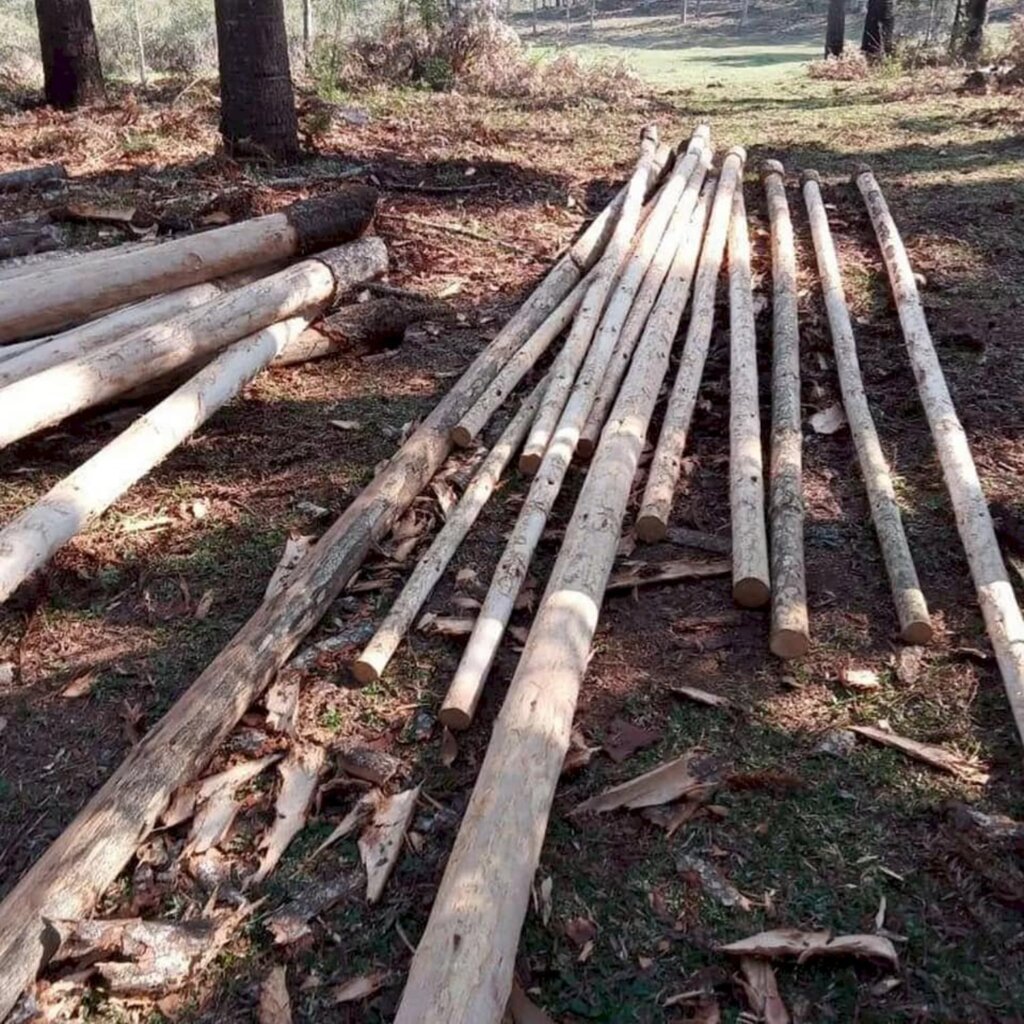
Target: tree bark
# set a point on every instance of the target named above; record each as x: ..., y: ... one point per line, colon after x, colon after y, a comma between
x: 31, y: 539
x: 973, y: 37
x: 462, y: 971
x: 879, y: 26
x: 72, y: 76
x: 369, y: 666
x: 915, y: 624
x: 308, y: 33
x: 140, y: 45
x: 974, y: 521
x: 835, y: 28
x: 789, y: 635
x: 52, y: 298
x: 28, y: 237
x: 155, y: 351
x: 257, y: 102
x: 663, y: 475
x: 750, y: 580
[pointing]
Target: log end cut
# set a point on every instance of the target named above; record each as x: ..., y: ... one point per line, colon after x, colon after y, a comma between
x: 529, y: 463
x: 364, y: 672
x: 585, y: 449
x: 918, y: 633
x: 650, y: 529
x: 859, y: 171
x: 789, y: 643
x: 455, y: 718
x: 750, y: 592
x: 462, y: 436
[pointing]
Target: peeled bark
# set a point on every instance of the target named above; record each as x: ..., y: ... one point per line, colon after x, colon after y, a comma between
x: 30, y: 540
x: 789, y: 635
x: 257, y: 104
x: 72, y: 75
x: 369, y: 666
x: 663, y: 475
x: 52, y: 298
x: 462, y: 971
x: 156, y: 351
x: 915, y: 624
x: 750, y: 586
x: 974, y: 521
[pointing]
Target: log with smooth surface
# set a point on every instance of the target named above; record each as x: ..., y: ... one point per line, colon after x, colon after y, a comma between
x: 53, y: 298
x: 750, y: 580
x: 911, y: 608
x: 463, y: 968
x: 663, y: 474
x: 30, y: 540
x: 157, y: 350
x: 974, y: 521
x: 588, y: 316
x: 367, y: 668
x: 789, y: 636
x: 66, y: 881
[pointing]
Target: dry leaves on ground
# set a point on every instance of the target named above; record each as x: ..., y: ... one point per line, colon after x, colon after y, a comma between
x: 523, y: 1010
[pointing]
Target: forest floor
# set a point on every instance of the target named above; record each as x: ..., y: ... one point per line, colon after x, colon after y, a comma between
x: 811, y: 840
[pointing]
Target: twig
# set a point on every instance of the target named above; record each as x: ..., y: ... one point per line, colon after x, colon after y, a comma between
x: 456, y: 229
x: 399, y: 186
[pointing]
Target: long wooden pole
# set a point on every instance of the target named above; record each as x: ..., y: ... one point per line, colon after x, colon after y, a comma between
x: 152, y: 352
x: 750, y: 580
x: 588, y: 316
x: 911, y: 608
x: 463, y: 968
x: 974, y: 521
x: 52, y: 298
x: 66, y: 881
x: 370, y: 664
x: 30, y: 540
x: 663, y: 475
x: 789, y: 635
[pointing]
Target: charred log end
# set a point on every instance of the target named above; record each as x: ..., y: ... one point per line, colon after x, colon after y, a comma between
x: 379, y: 324
x: 330, y: 220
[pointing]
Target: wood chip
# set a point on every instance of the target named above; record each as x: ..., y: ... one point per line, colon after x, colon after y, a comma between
x: 362, y: 987
x: 709, y: 879
x: 712, y: 700
x: 80, y: 686
x: 381, y: 842
x: 357, y: 817
x: 445, y: 625
x: 374, y: 766
x: 282, y: 703
x: 449, y: 748
x: 861, y: 679
x: 937, y: 757
x: 828, y: 421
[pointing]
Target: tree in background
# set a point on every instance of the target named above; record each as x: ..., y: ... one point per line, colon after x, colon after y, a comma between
x: 835, y: 28
x: 257, y: 104
x: 971, y: 35
x: 879, y: 26
x: 71, y: 59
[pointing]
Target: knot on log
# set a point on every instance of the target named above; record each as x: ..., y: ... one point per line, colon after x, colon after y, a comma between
x: 330, y: 220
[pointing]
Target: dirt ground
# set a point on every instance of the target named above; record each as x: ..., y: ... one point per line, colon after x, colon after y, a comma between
x: 810, y: 840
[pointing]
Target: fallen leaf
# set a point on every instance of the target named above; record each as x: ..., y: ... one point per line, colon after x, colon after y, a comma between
x: 625, y: 739
x: 937, y: 757
x: 757, y: 978
x: 80, y: 686
x: 300, y: 773
x: 712, y: 700
x: 381, y: 842
x: 354, y: 989
x: 449, y: 748
x: 661, y: 785
x: 580, y: 931
x: 829, y: 420
x: 357, y: 817
x: 522, y: 1009
x: 863, y: 679
x: 640, y: 574
x: 295, y: 549
x: 204, y: 605
x: 275, y: 1006
x: 711, y: 880
x: 792, y: 942
x: 346, y: 424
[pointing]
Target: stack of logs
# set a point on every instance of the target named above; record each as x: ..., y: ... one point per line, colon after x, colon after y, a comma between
x: 618, y: 296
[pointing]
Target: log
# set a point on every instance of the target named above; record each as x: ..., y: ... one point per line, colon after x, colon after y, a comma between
x: 663, y: 474
x: 27, y: 237
x: 12, y: 181
x: 750, y: 579
x: 53, y: 298
x: 153, y: 352
x: 911, y: 608
x: 789, y: 635
x: 974, y: 521
x: 467, y: 685
x: 463, y: 968
x: 66, y: 881
x: 591, y: 308
x: 31, y: 539
x: 65, y: 259
x: 369, y: 666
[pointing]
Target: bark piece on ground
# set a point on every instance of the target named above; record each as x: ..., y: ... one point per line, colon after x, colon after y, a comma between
x: 625, y: 739
x: 275, y: 1007
x: 381, y: 843
x: 669, y: 781
x: 187, y: 798
x: 362, y: 987
x: 937, y: 757
x: 290, y: 922
x: 360, y: 814
x: 860, y: 679
x: 782, y: 943
x: 757, y: 978
x: 711, y: 700
x: 374, y: 766
x: 711, y: 881
x: 641, y: 574
x: 282, y: 703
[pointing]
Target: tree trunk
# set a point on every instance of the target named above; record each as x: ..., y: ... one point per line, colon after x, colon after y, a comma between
x: 534, y: 17
x: 744, y: 13
x: 140, y: 46
x: 71, y: 58
x: 976, y: 18
x: 835, y: 28
x: 257, y: 115
x: 307, y: 32
x: 684, y: 11
x: 879, y: 25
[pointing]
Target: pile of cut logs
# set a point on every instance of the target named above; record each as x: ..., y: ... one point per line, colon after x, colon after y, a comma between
x: 617, y: 297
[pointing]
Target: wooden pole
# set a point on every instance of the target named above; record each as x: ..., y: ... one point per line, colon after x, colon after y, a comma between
x: 750, y: 580
x: 369, y: 666
x: 31, y: 539
x: 974, y: 521
x: 915, y: 623
x: 470, y: 677
x: 53, y: 298
x: 588, y: 316
x: 663, y: 475
x: 789, y: 636
x: 462, y: 971
x: 152, y: 352
x: 65, y: 882
x: 642, y: 306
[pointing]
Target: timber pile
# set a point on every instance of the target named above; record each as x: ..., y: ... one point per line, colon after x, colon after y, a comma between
x: 617, y: 298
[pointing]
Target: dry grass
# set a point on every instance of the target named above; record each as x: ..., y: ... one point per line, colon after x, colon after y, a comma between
x: 852, y: 66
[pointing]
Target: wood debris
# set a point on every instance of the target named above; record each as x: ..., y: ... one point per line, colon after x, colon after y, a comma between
x: 374, y: 766
x: 522, y: 1009
x: 625, y: 739
x: 828, y: 421
x: 641, y: 574
x: 275, y: 1007
x: 783, y: 943
x: 361, y: 813
x: 711, y: 881
x: 668, y: 782
x: 445, y: 625
x: 937, y: 757
x: 362, y: 987
x: 712, y: 700
x: 757, y: 978
x: 381, y: 843
x: 861, y: 679
x: 186, y: 799
x: 282, y: 703
x: 295, y: 549
x: 290, y: 922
